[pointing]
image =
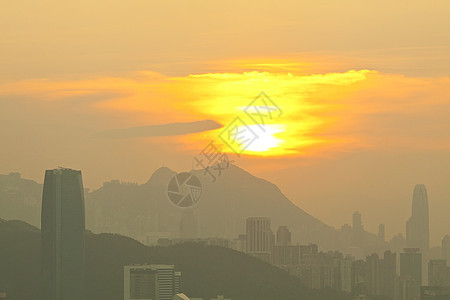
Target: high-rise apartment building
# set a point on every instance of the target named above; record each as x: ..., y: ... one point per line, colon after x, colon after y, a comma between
x: 359, y: 286
x: 325, y: 270
x: 260, y: 238
x: 283, y: 236
x: 357, y: 230
x: 344, y: 271
x: 288, y: 255
x: 373, y: 274
x: 62, y: 235
x: 411, y: 268
x: 151, y: 282
x: 388, y: 274
x: 283, y: 253
x: 140, y: 282
x: 437, y: 272
x: 446, y: 249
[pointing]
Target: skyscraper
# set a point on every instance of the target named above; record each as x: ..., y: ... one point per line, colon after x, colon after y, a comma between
x: 283, y: 253
x: 388, y: 273
x: 344, y: 270
x: 62, y: 235
x: 359, y: 284
x: 373, y: 274
x: 357, y: 221
x: 411, y: 269
x: 417, y: 227
x: 260, y: 238
x: 437, y: 271
x: 140, y: 282
x: 446, y: 249
x: 357, y: 230
x: 283, y: 236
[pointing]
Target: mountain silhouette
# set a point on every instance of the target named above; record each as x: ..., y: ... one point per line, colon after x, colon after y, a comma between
x: 144, y: 210
x: 225, y: 204
x: 206, y: 270
x: 20, y: 199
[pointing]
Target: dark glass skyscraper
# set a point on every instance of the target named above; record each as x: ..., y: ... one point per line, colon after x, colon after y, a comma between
x: 62, y: 236
x: 417, y: 227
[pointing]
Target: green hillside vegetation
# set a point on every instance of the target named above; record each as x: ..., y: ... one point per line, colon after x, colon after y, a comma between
x: 206, y: 270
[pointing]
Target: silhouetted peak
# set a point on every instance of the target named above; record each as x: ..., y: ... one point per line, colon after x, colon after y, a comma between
x: 161, y: 175
x: 15, y: 225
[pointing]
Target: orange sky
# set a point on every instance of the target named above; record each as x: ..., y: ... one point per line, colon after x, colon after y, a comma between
x: 364, y: 90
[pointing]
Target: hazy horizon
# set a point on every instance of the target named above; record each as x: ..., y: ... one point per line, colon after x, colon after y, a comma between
x: 364, y: 89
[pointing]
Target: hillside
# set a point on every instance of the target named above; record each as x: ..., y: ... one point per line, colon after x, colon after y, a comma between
x: 20, y: 199
x: 136, y: 210
x: 141, y: 210
x: 207, y: 271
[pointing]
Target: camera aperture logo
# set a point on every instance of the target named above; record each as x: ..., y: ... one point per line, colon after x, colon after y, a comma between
x: 184, y: 190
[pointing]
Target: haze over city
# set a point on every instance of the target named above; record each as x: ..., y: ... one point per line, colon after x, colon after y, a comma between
x: 356, y: 114
x: 70, y: 73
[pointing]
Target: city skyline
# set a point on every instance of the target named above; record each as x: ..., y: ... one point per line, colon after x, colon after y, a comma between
x: 273, y: 150
x: 63, y: 189
x: 403, y: 231
x: 363, y: 88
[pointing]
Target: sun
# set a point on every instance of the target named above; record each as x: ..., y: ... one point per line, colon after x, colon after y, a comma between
x: 286, y: 123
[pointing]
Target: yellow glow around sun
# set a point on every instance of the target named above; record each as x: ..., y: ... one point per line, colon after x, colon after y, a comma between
x: 224, y: 97
x: 299, y: 113
x: 266, y: 140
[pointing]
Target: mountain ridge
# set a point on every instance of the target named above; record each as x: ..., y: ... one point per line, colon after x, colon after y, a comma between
x: 206, y: 270
x: 221, y: 211
x: 141, y: 210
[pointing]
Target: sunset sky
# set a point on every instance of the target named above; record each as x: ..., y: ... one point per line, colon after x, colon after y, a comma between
x: 364, y: 89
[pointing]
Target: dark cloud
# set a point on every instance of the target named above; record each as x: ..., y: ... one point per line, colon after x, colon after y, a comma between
x: 160, y: 130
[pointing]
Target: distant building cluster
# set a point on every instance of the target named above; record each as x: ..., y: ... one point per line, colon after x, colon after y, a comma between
x: 356, y: 273
x: 63, y: 248
x: 155, y: 282
x: 118, y: 182
x: 381, y: 277
x: 63, y: 227
x: 372, y: 276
